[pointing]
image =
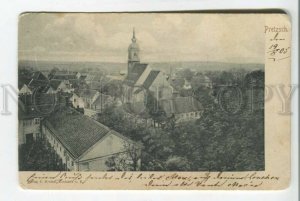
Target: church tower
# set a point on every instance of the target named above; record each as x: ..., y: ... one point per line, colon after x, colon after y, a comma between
x: 133, y: 53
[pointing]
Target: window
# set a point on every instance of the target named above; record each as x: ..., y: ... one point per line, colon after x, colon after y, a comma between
x: 36, y: 121
x: 72, y: 163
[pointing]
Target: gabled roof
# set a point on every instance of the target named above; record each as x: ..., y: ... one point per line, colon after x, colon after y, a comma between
x: 55, y: 83
x: 102, y: 98
x: 75, y: 131
x: 37, y: 106
x: 38, y: 83
x: 151, y: 77
x: 65, y: 77
x: 136, y: 72
x: 180, y: 105
x: 22, y: 81
x: 64, y: 72
x: 94, y: 77
x: 38, y: 76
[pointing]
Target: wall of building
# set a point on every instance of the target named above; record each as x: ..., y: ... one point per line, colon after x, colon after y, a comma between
x: 77, y: 101
x: 161, y: 88
x: 90, y: 112
x: 25, y: 90
x: 59, y: 148
x: 94, y: 159
x: 93, y: 165
x: 109, y: 145
x: 29, y: 126
x: 187, y: 116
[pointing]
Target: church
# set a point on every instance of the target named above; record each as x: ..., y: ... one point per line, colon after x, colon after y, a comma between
x: 142, y: 80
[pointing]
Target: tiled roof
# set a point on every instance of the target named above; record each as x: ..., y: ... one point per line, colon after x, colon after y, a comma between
x: 55, y: 83
x: 94, y: 77
x: 38, y: 106
x: 75, y: 131
x: 64, y: 72
x: 102, y: 98
x: 33, y: 84
x: 151, y: 77
x: 65, y: 77
x: 22, y: 81
x: 180, y: 105
x: 38, y: 76
x: 135, y: 74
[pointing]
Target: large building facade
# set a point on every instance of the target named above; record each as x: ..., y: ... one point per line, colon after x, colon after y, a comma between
x: 84, y: 144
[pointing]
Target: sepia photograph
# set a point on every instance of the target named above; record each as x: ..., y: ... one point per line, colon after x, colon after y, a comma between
x: 141, y: 92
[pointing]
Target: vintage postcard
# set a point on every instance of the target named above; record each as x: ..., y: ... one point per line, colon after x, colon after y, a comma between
x: 154, y: 101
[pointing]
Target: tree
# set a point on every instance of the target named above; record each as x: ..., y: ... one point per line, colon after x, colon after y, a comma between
x: 177, y: 163
x: 187, y: 74
x: 129, y: 160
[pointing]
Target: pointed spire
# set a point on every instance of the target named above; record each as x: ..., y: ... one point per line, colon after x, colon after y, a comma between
x: 133, y: 36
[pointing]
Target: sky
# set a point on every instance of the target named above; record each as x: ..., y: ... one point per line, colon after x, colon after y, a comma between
x: 161, y: 37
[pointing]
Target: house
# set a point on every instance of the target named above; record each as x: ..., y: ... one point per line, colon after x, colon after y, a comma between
x: 64, y: 76
x: 92, y: 101
x: 32, y: 109
x: 29, y: 117
x: 84, y: 98
x: 37, y: 75
x: 182, y: 108
x: 55, y: 86
x: 99, y: 104
x: 27, y: 84
x: 84, y: 144
x: 25, y: 90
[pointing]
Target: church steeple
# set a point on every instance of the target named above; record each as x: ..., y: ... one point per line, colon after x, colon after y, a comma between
x: 133, y: 36
x: 133, y: 52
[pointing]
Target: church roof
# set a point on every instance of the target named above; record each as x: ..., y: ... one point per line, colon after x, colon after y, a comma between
x: 151, y: 77
x: 136, y: 72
